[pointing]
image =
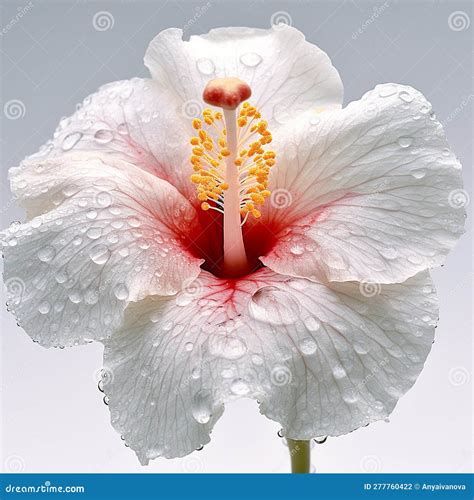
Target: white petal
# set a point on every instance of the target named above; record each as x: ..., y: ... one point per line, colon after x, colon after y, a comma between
x: 135, y: 121
x: 322, y: 359
x: 116, y: 235
x: 370, y: 190
x: 287, y: 74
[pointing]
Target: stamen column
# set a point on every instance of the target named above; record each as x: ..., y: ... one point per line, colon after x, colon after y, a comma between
x: 228, y: 94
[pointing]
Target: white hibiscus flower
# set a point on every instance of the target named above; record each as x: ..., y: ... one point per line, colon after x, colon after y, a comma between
x: 272, y: 245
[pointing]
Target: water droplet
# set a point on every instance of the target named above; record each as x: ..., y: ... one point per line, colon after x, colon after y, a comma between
x: 227, y: 347
x: 121, y: 291
x: 99, y: 254
x: 419, y: 173
x: 280, y: 433
x: 296, y: 249
x: 205, y: 66
x: 75, y: 296
x: 201, y: 408
x: 320, y: 439
x: 257, y: 360
x: 251, y: 59
x: 133, y: 222
x: 106, y: 400
x: 46, y: 254
x: 405, y: 142
x: 312, y: 324
x: 274, y: 306
x: 91, y: 214
x: 308, y: 346
x: 103, y: 136
x: 71, y: 140
x: 44, y: 307
x: 405, y: 96
x: 239, y: 387
x: 339, y: 372
x: 188, y: 346
x: 94, y: 233
x: 122, y: 128
x: 104, y: 199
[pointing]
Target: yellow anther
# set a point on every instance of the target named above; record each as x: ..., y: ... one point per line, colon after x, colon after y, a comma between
x: 210, y: 151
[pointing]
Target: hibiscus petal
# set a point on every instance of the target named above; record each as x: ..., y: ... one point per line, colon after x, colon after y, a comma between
x: 287, y: 74
x: 132, y: 120
x: 323, y: 359
x: 104, y: 235
x: 367, y: 192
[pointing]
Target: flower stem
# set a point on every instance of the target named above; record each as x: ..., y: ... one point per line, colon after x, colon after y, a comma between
x: 300, y: 455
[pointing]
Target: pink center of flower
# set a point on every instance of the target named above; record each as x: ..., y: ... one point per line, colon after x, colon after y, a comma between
x: 231, y: 165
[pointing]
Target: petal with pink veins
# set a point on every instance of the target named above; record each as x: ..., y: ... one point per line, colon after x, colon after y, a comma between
x: 131, y: 120
x: 323, y: 359
x: 101, y: 234
x: 286, y: 73
x: 364, y: 193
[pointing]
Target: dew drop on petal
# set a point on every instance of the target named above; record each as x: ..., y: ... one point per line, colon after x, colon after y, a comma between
x: 46, y: 254
x: 339, y: 372
x: 312, y: 324
x: 201, y: 409
x: 103, y: 136
x: 320, y: 439
x: 94, y: 233
x: 405, y: 96
x: 419, y: 173
x: 308, y: 346
x: 44, y: 307
x: 296, y: 249
x: 239, y: 387
x: 71, y: 140
x: 205, y: 66
x: 251, y: 59
x: 405, y: 142
x: 121, y: 291
x: 99, y: 254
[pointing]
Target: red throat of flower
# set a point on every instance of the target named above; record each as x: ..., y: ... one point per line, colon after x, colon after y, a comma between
x: 231, y: 164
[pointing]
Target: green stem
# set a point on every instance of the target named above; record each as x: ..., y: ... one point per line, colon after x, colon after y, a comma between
x: 300, y: 455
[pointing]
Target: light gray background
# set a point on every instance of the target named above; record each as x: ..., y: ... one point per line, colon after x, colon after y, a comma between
x: 52, y: 415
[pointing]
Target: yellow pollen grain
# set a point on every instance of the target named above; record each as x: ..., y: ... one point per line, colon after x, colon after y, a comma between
x: 254, y: 161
